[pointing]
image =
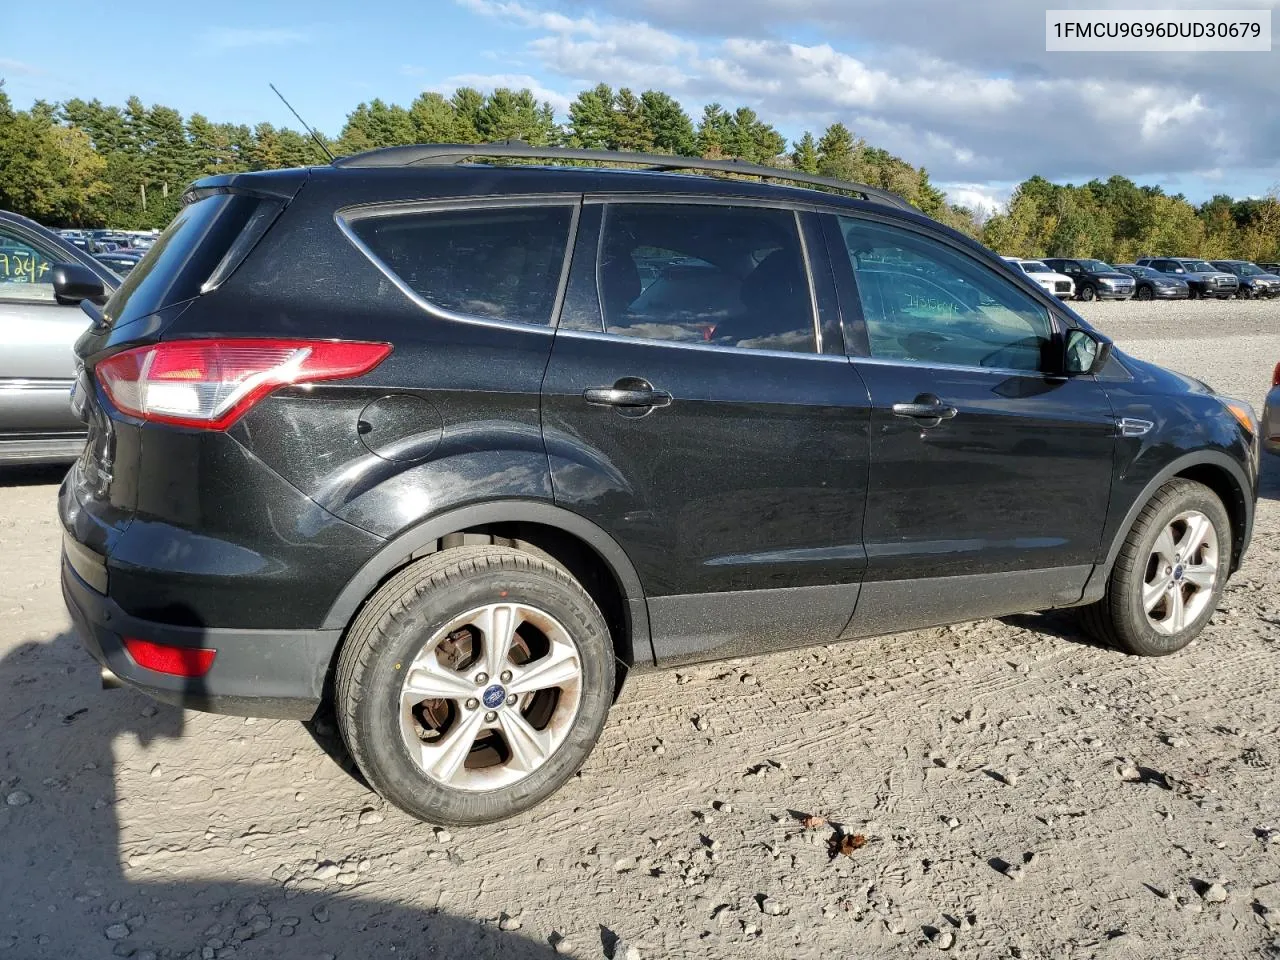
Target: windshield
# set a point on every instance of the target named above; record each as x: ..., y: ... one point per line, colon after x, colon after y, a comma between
x: 1097, y: 266
x: 1248, y: 270
x: 1200, y: 266
x: 1141, y: 271
x: 1035, y: 266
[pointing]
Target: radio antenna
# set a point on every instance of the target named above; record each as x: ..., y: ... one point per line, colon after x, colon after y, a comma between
x: 314, y: 136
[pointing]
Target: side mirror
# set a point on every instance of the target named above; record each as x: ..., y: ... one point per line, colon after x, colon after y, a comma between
x: 1086, y: 352
x: 74, y: 282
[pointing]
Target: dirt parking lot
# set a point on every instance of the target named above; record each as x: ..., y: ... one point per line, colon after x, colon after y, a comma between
x: 1021, y: 792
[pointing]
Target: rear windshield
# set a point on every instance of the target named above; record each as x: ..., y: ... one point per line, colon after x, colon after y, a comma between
x: 184, y: 256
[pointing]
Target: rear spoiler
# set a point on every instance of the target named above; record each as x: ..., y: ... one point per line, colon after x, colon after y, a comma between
x: 280, y: 185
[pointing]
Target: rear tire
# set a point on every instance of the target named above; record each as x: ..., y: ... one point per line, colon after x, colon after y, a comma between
x: 1162, y: 569
x: 430, y: 729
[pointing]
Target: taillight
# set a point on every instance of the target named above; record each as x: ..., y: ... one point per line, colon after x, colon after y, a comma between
x: 212, y: 383
x: 175, y: 661
x: 1275, y: 376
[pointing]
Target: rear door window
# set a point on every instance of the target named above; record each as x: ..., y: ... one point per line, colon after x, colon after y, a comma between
x: 702, y: 273
x: 490, y: 263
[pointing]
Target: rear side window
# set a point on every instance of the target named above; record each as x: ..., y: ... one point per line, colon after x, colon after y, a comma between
x: 195, y: 247
x: 492, y: 263
x: 720, y: 275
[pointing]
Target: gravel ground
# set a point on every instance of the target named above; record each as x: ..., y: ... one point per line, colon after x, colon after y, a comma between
x: 1021, y: 792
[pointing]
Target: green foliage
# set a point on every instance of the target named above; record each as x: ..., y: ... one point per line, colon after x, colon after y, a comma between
x: 1119, y: 221
x: 87, y: 163
x: 805, y: 156
x: 591, y: 118
x: 671, y: 126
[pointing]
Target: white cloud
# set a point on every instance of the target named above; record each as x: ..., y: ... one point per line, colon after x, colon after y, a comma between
x: 18, y: 68
x: 1169, y: 117
x: 969, y: 93
x: 244, y: 38
x: 983, y: 199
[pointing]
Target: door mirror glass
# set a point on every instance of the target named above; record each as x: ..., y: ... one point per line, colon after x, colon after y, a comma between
x: 74, y: 282
x: 1087, y: 352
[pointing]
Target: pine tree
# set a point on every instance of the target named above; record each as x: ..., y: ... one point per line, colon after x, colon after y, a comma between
x: 591, y: 118
x: 714, y: 132
x: 631, y: 130
x: 805, y: 155
x: 671, y: 126
x: 435, y: 120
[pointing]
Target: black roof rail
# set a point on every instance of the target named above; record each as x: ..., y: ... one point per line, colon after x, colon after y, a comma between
x: 430, y: 154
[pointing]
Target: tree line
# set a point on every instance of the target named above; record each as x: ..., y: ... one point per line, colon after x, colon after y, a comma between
x: 85, y: 163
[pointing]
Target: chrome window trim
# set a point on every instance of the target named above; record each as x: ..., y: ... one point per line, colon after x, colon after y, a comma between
x: 392, y: 208
x: 720, y: 200
x: 343, y: 219
x: 813, y: 290
x: 710, y: 347
x: 962, y: 368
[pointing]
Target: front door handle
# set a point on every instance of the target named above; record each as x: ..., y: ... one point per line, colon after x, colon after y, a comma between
x: 628, y: 392
x: 927, y: 409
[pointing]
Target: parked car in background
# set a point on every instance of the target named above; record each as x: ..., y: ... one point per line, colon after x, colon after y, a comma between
x: 43, y: 279
x: 1094, y: 279
x: 1154, y: 285
x: 1254, y: 281
x: 1203, y: 278
x: 1270, y: 267
x: 1058, y: 284
x: 499, y: 461
x: 1271, y: 415
x: 121, y: 261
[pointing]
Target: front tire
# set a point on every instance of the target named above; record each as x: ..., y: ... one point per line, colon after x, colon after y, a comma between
x: 1144, y: 293
x: 1088, y: 292
x: 473, y: 684
x: 1169, y: 575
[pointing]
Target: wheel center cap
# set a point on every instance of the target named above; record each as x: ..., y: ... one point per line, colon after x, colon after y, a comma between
x: 493, y: 696
x: 1177, y: 572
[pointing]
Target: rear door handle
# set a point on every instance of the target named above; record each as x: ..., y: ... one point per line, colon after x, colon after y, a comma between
x: 627, y: 392
x: 926, y: 408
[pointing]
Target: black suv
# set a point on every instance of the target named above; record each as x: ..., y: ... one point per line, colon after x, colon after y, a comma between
x: 1094, y: 279
x: 1254, y: 281
x: 452, y: 444
x: 1203, y: 279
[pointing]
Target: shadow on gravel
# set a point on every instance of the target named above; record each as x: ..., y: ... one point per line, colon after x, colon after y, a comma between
x: 64, y: 888
x: 34, y: 475
x: 1062, y: 624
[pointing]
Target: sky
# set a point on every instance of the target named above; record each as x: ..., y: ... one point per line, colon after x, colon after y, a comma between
x: 966, y: 90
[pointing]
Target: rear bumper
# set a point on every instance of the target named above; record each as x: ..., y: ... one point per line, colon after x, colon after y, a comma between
x: 257, y: 673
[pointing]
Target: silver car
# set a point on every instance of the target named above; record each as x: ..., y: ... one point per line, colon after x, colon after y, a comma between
x: 1271, y: 415
x: 43, y: 279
